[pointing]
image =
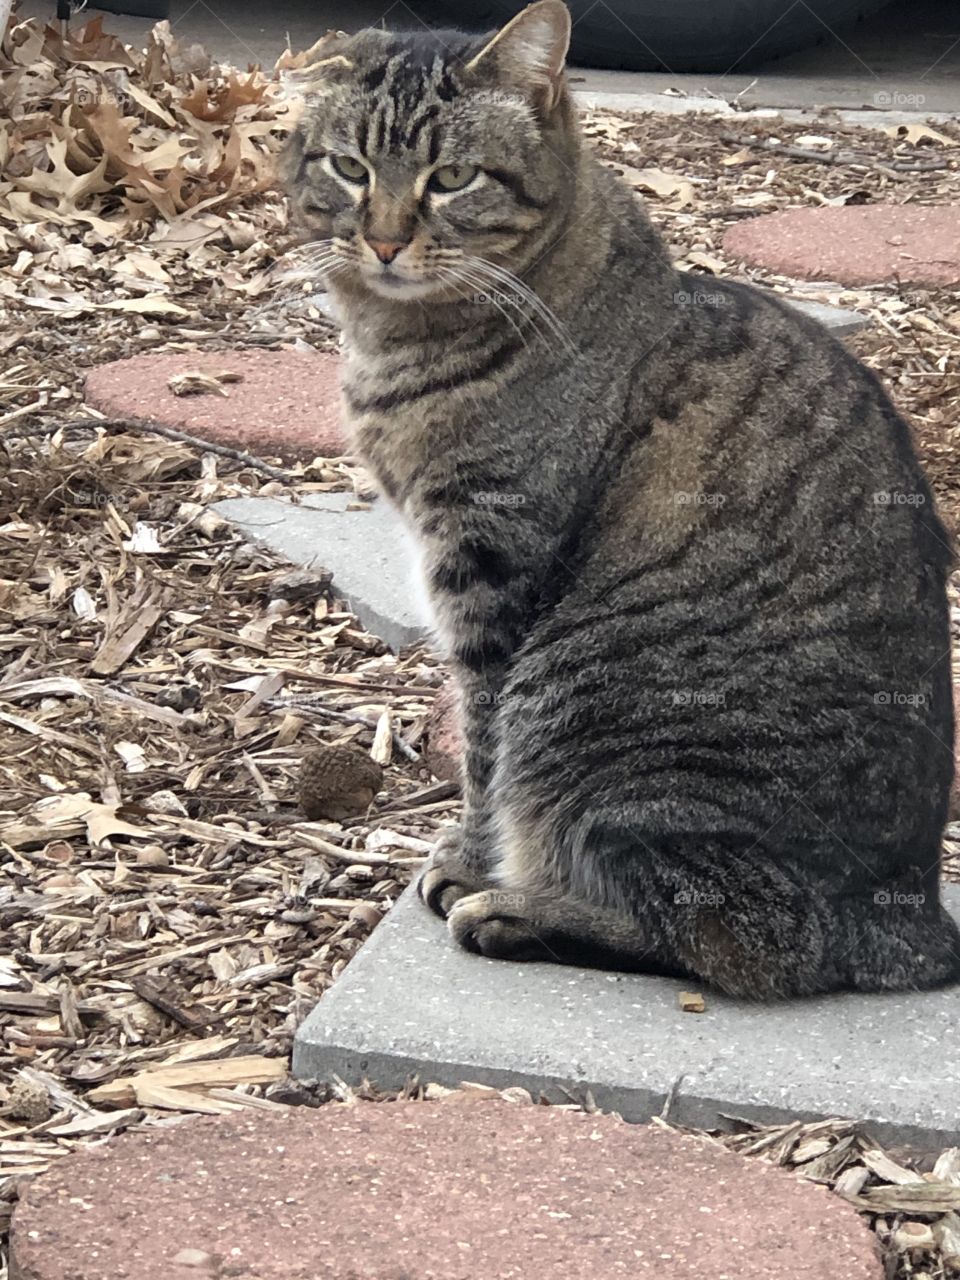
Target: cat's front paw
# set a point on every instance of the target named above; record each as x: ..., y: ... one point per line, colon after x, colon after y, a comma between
x: 491, y: 924
x: 447, y: 878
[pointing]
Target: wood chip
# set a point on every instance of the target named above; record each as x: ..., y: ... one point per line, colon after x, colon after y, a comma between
x: 129, y: 630
x: 171, y: 1000
x: 223, y: 1072
x: 692, y: 1002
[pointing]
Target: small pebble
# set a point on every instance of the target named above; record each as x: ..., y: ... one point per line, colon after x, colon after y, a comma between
x: 152, y: 855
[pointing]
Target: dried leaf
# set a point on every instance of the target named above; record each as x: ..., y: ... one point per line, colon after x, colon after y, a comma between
x: 153, y: 304
x: 919, y: 133
x: 192, y: 383
x: 63, y: 816
x: 658, y: 182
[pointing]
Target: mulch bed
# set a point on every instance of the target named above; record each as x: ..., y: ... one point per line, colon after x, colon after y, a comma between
x: 166, y: 917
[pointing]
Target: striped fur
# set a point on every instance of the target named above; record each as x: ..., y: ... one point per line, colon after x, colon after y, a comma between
x: 677, y: 542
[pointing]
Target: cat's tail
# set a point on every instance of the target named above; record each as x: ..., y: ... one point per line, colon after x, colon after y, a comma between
x: 896, y: 939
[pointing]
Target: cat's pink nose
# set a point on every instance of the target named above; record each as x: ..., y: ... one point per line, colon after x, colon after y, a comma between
x: 386, y: 250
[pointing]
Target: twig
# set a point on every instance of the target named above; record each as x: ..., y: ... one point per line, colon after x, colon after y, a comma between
x: 349, y: 717
x: 171, y: 433
x: 671, y: 1098
x: 735, y: 102
x: 859, y: 164
x: 208, y: 446
x: 349, y: 684
x: 361, y: 857
x: 21, y: 412
x: 895, y: 170
x: 798, y: 153
x: 178, y: 1005
x: 430, y: 795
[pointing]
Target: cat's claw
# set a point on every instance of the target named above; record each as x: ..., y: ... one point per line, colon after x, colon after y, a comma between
x: 446, y: 879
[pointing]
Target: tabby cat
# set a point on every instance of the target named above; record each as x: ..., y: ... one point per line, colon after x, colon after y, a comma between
x: 676, y: 540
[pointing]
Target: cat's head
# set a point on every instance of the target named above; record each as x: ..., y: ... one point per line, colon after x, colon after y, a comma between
x: 420, y: 157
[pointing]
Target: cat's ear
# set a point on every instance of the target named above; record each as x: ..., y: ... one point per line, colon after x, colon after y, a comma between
x: 529, y: 52
x: 307, y: 73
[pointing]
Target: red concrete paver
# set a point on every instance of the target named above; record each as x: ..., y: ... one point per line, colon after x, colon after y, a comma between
x: 429, y: 1191
x: 854, y: 244
x: 288, y: 404
x: 443, y: 737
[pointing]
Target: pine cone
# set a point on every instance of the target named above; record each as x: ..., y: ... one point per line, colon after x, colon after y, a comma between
x: 338, y: 782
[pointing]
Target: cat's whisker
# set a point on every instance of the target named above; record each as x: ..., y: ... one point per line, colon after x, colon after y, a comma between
x: 286, y: 288
x: 302, y: 256
x: 307, y: 271
x: 512, y: 282
x: 544, y: 329
x: 308, y: 252
x: 449, y: 274
x: 498, y: 298
x: 325, y: 248
x: 321, y: 262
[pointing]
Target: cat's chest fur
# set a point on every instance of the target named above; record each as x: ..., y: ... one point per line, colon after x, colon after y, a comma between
x: 400, y: 448
x: 459, y: 435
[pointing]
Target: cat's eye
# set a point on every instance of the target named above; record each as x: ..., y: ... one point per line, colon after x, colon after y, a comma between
x: 452, y: 177
x: 352, y: 170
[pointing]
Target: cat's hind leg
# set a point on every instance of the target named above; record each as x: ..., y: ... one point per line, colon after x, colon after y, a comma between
x: 764, y: 949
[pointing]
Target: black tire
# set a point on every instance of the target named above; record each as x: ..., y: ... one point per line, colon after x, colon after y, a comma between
x: 678, y: 35
x: 137, y: 8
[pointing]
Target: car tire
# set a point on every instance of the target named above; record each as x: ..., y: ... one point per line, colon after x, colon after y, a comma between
x: 678, y: 35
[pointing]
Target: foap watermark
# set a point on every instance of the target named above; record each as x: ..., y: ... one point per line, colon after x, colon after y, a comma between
x: 894, y: 698
x: 503, y: 900
x: 89, y: 97
x: 498, y: 98
x: 88, y: 498
x: 698, y: 697
x: 698, y: 898
x: 893, y: 898
x: 697, y: 498
x: 489, y: 698
x: 497, y: 299
x: 898, y: 99
x: 897, y: 498
x: 701, y: 298
x: 488, y: 498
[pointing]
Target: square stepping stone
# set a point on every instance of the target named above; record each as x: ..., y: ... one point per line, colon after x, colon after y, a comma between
x: 368, y: 553
x: 413, y: 1003
x: 838, y: 320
